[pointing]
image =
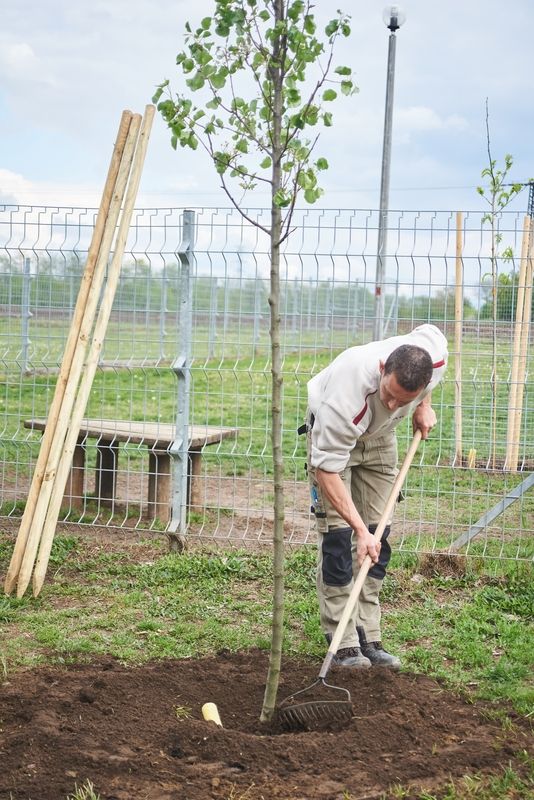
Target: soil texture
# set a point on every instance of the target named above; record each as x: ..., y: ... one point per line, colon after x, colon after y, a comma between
x: 137, y: 733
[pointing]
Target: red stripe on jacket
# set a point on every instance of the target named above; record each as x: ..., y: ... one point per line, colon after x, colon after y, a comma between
x: 360, y: 415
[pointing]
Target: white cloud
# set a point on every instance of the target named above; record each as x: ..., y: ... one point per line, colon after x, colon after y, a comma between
x: 421, y: 119
x: 18, y: 62
x: 13, y: 187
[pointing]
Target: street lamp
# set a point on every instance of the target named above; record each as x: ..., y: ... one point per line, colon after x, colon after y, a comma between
x: 393, y: 18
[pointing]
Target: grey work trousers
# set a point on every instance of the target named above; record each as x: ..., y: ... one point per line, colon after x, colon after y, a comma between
x: 369, y: 477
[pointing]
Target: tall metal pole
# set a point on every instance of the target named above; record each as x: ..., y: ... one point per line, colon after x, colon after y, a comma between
x: 179, y: 448
x: 393, y: 23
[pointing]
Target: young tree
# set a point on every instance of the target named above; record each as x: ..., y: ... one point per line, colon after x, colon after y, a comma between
x: 498, y: 195
x: 265, y: 80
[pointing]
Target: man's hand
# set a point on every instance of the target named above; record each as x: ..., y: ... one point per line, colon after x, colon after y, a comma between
x: 366, y: 544
x: 424, y: 418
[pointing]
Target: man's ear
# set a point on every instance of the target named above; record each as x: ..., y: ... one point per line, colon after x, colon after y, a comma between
x: 381, y: 366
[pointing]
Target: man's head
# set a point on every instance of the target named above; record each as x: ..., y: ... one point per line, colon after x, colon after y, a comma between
x: 406, y: 372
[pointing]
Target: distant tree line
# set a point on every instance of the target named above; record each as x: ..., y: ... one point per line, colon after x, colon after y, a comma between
x: 143, y: 288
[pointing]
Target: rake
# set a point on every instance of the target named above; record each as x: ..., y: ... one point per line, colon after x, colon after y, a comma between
x: 296, y: 712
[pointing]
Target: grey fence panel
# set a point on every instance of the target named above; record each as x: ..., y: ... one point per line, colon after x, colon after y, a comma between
x: 328, y: 269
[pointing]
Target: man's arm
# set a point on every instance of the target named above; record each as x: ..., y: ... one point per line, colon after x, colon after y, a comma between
x: 334, y: 490
x: 424, y: 417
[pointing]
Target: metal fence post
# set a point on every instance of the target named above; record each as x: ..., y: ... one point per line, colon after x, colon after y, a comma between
x: 163, y: 312
x: 26, y: 313
x: 182, y: 368
x: 212, y: 330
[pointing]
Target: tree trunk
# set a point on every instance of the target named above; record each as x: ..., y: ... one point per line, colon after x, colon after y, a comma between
x: 275, y: 658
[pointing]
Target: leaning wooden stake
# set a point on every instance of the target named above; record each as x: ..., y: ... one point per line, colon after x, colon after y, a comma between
x: 71, y: 389
x: 93, y: 356
x: 458, y: 319
x: 513, y: 409
x: 70, y: 349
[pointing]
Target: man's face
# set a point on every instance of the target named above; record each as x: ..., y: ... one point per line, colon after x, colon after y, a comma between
x: 392, y: 395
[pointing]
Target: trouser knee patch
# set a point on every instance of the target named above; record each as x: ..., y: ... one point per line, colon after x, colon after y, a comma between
x: 379, y: 570
x: 337, y: 557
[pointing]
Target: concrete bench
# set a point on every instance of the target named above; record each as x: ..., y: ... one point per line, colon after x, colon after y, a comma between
x: 157, y: 437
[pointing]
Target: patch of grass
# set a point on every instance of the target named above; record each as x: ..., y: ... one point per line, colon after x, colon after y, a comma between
x: 472, y: 630
x: 84, y: 792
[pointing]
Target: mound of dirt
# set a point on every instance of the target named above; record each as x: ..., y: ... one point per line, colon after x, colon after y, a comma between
x: 137, y: 733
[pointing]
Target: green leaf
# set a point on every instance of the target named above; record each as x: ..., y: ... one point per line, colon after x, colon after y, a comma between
x: 218, y: 80
x: 206, y: 23
x: 332, y: 27
x: 327, y: 119
x: 312, y: 195
x: 346, y: 87
x: 242, y: 146
x: 266, y: 163
x: 220, y: 160
x: 343, y: 71
x: 309, y: 24
x: 321, y: 163
x: 329, y: 94
x: 281, y: 198
x: 157, y: 94
x: 293, y: 97
x: 295, y: 10
x: 196, y: 82
x: 264, y: 15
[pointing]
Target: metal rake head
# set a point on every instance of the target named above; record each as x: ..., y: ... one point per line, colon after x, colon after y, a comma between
x: 316, y: 713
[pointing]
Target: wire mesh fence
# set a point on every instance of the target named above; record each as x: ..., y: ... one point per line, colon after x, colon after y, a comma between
x: 188, y: 340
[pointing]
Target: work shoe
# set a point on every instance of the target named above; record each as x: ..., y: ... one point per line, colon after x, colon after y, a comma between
x: 378, y: 657
x: 351, y: 657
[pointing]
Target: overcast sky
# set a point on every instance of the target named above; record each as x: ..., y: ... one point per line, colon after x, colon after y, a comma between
x: 69, y: 67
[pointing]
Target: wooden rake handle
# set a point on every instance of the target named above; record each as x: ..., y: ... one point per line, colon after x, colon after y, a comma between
x: 367, y: 563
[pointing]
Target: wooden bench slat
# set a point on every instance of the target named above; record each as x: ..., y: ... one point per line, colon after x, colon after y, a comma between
x: 156, y: 435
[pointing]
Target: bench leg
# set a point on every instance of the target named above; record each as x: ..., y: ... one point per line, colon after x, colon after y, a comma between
x: 74, y: 490
x: 107, y: 460
x: 159, y: 486
x: 195, y: 484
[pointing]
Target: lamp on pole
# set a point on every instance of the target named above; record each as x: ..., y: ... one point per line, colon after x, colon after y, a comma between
x: 393, y: 18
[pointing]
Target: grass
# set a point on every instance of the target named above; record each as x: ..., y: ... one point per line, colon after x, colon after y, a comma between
x: 84, y: 792
x: 475, y: 631
x: 235, y: 392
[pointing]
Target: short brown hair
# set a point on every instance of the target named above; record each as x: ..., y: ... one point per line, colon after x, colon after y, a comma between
x: 412, y: 366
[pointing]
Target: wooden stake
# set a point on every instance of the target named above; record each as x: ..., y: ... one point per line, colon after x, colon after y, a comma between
x: 458, y: 319
x: 77, y: 367
x: 94, y: 353
x: 509, y: 462
x: 70, y: 348
x: 525, y: 335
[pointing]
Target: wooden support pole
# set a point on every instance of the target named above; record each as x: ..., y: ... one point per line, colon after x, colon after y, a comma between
x: 64, y: 422
x: 91, y: 364
x: 509, y: 462
x: 458, y: 320
x: 71, y: 347
x: 523, y: 352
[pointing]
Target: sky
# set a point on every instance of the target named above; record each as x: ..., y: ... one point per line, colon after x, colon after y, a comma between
x: 69, y: 67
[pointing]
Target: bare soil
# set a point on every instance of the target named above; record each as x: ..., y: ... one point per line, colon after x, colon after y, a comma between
x: 138, y: 733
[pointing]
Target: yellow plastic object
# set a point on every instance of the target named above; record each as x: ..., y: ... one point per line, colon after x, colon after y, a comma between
x: 210, y: 712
